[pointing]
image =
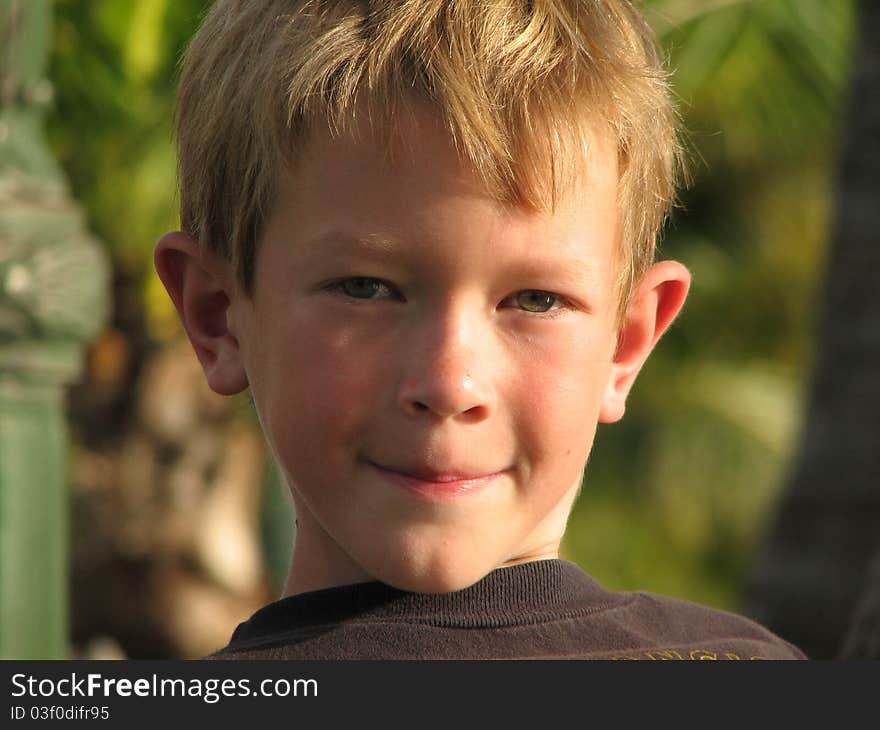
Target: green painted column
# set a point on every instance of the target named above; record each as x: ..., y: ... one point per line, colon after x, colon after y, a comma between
x: 53, y: 299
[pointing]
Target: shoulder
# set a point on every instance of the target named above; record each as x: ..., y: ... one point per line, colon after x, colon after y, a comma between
x: 688, y: 630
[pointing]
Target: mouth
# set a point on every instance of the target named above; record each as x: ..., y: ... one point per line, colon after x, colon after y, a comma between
x: 425, y: 482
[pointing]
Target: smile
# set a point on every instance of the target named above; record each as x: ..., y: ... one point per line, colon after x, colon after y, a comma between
x: 436, y: 485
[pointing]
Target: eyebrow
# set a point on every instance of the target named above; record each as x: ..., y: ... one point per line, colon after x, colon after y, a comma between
x: 383, y: 247
x: 372, y: 244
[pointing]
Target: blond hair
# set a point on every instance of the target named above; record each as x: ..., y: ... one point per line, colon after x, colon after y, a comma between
x: 519, y: 84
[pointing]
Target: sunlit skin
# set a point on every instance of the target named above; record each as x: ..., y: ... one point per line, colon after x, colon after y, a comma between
x: 429, y: 365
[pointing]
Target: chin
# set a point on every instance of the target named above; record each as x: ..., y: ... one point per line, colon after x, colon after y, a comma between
x: 433, y: 578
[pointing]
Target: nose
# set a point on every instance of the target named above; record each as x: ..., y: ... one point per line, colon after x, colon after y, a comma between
x: 448, y: 370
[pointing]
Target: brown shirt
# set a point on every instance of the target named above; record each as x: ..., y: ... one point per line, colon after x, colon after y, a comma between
x: 547, y: 609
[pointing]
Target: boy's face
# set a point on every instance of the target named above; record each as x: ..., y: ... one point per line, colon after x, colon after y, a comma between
x: 429, y: 365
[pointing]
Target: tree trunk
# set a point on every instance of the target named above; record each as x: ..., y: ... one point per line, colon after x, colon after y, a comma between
x: 812, y: 569
x: 863, y: 637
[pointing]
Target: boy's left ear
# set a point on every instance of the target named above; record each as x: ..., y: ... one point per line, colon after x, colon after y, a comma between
x: 656, y: 301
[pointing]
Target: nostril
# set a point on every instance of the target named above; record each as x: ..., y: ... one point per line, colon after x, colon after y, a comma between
x: 445, y: 396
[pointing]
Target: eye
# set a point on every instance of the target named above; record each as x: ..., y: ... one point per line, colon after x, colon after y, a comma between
x: 534, y: 301
x: 362, y: 287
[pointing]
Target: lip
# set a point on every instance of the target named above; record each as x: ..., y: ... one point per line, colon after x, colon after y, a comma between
x: 436, y: 485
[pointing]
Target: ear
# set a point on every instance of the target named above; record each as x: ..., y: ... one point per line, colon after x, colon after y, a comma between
x: 202, y: 288
x: 656, y: 301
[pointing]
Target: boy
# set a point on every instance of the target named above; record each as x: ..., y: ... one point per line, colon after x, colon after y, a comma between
x: 422, y: 234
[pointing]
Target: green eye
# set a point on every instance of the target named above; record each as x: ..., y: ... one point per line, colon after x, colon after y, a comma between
x: 536, y: 301
x: 363, y: 287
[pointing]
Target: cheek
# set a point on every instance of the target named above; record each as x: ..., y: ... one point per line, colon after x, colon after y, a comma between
x: 318, y: 392
x: 559, y: 399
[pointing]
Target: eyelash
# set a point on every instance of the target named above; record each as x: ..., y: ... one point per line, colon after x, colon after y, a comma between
x: 339, y: 286
x: 559, y: 302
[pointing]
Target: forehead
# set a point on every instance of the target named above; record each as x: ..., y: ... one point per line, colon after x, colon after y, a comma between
x: 353, y: 206
x: 417, y: 157
x: 410, y: 198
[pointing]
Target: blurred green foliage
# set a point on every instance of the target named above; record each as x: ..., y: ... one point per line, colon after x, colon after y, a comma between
x: 114, y: 67
x: 677, y: 493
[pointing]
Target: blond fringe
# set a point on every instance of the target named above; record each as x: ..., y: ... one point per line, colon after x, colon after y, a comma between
x: 519, y: 85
